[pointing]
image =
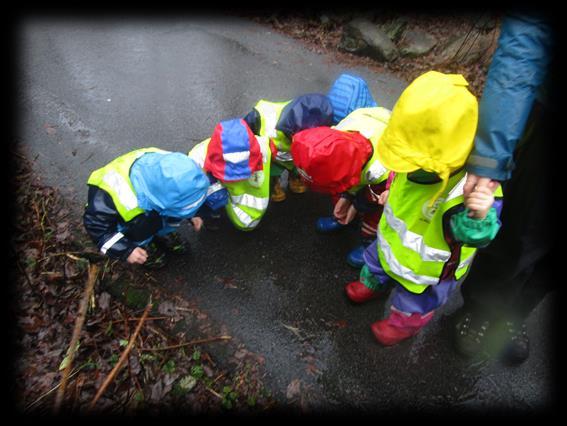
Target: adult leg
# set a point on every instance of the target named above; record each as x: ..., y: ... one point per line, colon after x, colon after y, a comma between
x: 502, y: 286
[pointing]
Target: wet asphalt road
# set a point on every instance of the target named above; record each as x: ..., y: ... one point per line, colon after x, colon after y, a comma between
x: 91, y: 90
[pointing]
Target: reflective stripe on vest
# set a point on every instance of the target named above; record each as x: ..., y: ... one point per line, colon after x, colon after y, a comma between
x: 270, y: 113
x: 401, y: 270
x: 114, y: 178
x: 122, y: 188
x: 414, y: 241
x: 248, y: 200
x: 411, y: 243
x: 246, y: 220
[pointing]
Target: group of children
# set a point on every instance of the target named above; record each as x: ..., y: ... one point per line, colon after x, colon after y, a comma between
x: 400, y: 173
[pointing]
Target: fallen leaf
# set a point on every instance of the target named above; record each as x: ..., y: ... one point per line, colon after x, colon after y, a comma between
x: 240, y: 354
x: 340, y: 323
x: 50, y: 129
x: 312, y: 370
x: 293, y: 389
x: 104, y: 301
x: 187, y: 383
x: 167, y: 308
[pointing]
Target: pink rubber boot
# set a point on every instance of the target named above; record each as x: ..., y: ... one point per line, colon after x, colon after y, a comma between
x: 399, y: 326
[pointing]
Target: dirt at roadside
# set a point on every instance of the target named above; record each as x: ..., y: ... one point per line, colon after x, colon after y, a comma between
x: 321, y: 32
x: 168, y: 368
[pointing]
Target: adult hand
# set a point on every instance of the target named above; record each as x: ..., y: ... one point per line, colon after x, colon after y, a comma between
x: 138, y: 255
x: 341, y: 209
x: 475, y: 182
x: 197, y: 223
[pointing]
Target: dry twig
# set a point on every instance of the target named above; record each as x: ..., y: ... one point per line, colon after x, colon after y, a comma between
x: 93, y: 272
x: 122, y: 359
x: 193, y: 342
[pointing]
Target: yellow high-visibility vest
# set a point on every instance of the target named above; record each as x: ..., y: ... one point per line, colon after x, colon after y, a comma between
x: 114, y: 178
x: 411, y: 243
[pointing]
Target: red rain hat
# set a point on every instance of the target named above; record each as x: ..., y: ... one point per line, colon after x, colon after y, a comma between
x: 330, y: 160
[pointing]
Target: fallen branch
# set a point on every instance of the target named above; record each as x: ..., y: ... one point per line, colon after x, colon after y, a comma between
x: 122, y: 359
x: 193, y: 342
x: 138, y: 319
x: 93, y: 272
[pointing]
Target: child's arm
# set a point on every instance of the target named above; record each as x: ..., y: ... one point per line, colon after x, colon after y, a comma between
x: 100, y: 220
x: 478, y: 224
x: 343, y: 210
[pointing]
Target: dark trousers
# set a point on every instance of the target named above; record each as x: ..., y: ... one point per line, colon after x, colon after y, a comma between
x: 513, y: 274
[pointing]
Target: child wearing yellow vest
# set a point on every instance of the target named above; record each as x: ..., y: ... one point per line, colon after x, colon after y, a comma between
x: 239, y: 161
x: 428, y: 233
x: 137, y: 202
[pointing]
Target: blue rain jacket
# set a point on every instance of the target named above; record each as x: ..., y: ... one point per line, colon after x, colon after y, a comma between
x: 518, y: 69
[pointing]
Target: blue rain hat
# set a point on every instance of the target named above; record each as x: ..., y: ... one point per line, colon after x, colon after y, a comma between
x: 349, y: 92
x: 171, y: 184
x: 305, y: 112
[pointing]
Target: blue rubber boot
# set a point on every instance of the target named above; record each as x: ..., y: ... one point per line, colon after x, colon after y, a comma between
x: 355, y: 258
x: 327, y: 225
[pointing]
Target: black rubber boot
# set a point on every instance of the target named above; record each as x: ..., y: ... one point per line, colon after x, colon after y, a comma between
x: 516, y: 342
x: 470, y: 335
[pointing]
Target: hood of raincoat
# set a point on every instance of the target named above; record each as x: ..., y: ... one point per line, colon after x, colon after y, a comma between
x: 330, y: 160
x: 233, y: 153
x: 305, y: 112
x: 349, y: 92
x: 171, y: 184
x: 432, y: 126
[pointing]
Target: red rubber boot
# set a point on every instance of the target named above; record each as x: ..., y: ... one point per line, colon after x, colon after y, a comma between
x: 359, y: 293
x: 399, y: 326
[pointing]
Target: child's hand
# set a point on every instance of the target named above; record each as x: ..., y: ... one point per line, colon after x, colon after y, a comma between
x: 138, y: 255
x: 350, y: 215
x: 479, y: 201
x: 474, y: 182
x: 341, y: 209
x: 383, y: 197
x: 197, y: 223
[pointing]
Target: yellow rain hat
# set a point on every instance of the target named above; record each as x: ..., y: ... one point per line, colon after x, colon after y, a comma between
x: 432, y: 127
